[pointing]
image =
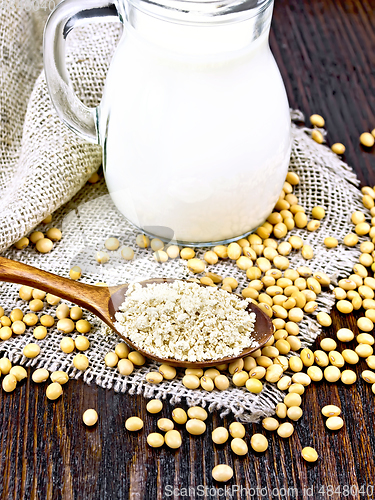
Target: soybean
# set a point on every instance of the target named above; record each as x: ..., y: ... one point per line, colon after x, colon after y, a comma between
x: 294, y: 342
x: 142, y: 241
x: 111, y: 359
x: 26, y: 293
x: 179, y: 415
x: 350, y: 240
x: 44, y: 245
x: 338, y: 148
x: 137, y: 358
x: 253, y: 385
x: 173, y: 439
x: 331, y: 242
x: 54, y: 391
x: 154, y: 377
x: 127, y: 253
x: 324, y: 319
x: 295, y: 363
x: 240, y: 378
x: 364, y: 350
x: 197, y: 412
x: 331, y: 411
x: 220, y: 435
x: 307, y: 357
x: 367, y: 139
x: 212, y: 373
x: 5, y: 333
x: 315, y: 373
x: 46, y: 320
x: 196, y: 427
x: 134, y: 424
x: 191, y: 381
x: 125, y: 367
x: 122, y: 350
x: 294, y: 413
x: 348, y: 377
x: 292, y: 399
x: 40, y: 332
x: 296, y: 388
x: 22, y: 243
x: 365, y: 324
x: 19, y: 372
x: 52, y: 300
x: 168, y: 371
x: 301, y: 378
x: 101, y: 257
x: 155, y: 440
x: 332, y: 374
x: 18, y: 327
x: 310, y: 454
x: 60, y: 376
x: 154, y: 406
x: 5, y: 366
x: 270, y: 423
x: 334, y: 423
x: 9, y: 383
x: 281, y: 410
x: 62, y: 311
x: 81, y: 362
x: 345, y: 335
x: 90, y: 417
x: 40, y: 375
x: 239, y: 446
x: 328, y: 344
x: 367, y: 375
x: 350, y: 356
x: 222, y: 383
x: 284, y: 383
x: 285, y: 430
x: 336, y: 359
x: 222, y: 473
x: 317, y: 121
x: 75, y: 273
x: 161, y: 256
x: 36, y: 305
x: 31, y: 350
x: 83, y: 326
x: 236, y: 430
x: 365, y: 338
x: 196, y: 265
x: 54, y: 234
x: 65, y: 325
x: 82, y: 343
x: 67, y: 345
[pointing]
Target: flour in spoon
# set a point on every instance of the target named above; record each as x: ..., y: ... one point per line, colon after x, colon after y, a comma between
x: 185, y: 321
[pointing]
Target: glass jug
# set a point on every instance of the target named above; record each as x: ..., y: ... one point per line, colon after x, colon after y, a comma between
x: 194, y: 120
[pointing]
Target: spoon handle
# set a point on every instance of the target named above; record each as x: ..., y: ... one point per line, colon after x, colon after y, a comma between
x: 93, y: 298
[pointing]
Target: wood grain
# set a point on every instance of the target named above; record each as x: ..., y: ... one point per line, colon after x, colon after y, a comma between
x: 325, y: 50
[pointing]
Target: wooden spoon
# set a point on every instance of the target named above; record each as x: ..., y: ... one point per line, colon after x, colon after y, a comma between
x: 104, y: 302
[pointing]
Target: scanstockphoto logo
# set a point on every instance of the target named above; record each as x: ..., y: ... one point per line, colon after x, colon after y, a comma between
x: 267, y: 493
x: 232, y: 491
x: 28, y: 5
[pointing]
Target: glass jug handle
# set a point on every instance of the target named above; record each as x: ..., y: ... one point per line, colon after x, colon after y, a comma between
x: 64, y: 18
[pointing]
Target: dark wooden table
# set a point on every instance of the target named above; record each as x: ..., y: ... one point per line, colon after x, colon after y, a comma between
x: 326, y: 53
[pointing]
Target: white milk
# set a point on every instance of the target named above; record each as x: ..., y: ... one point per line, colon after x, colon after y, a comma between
x: 199, y: 145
